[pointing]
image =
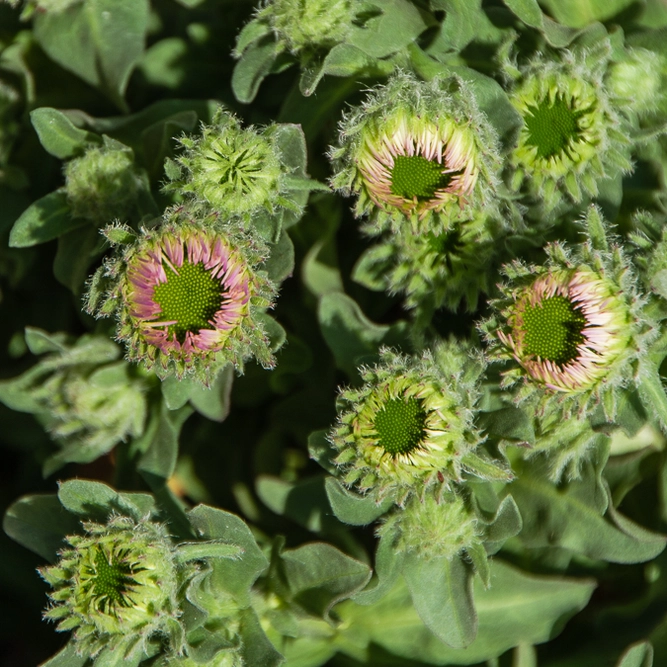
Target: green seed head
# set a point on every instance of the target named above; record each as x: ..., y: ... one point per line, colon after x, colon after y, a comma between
x: 415, y: 176
x: 400, y: 425
x: 552, y: 329
x: 190, y: 298
x: 111, y: 579
x: 552, y: 126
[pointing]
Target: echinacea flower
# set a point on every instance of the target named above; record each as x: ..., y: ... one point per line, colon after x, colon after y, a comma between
x: 187, y: 296
x: 116, y: 587
x: 567, y: 328
x: 573, y: 132
x: 417, y: 151
x: 576, y: 326
x: 410, y: 426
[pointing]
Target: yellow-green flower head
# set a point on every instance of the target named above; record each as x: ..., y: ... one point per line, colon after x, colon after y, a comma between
x: 102, y: 185
x: 234, y: 171
x: 308, y: 25
x: 116, y: 587
x: 410, y: 426
x: 417, y: 151
x: 575, y: 326
x: 435, y: 269
x: 187, y: 296
x: 573, y: 132
x: 434, y: 526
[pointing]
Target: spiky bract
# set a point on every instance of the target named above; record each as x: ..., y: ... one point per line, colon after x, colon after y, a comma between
x: 434, y: 526
x: 417, y: 151
x: 574, y: 133
x: 187, y: 297
x: 116, y: 588
x: 308, y: 25
x: 235, y: 171
x: 102, y: 185
x: 410, y: 426
x: 435, y: 270
x: 576, y: 326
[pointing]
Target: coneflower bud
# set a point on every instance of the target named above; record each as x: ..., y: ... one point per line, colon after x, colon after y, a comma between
x: 186, y: 297
x: 417, y: 151
x: 410, y: 426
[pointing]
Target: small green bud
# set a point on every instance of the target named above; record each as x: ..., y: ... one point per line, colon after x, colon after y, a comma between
x: 432, y: 527
x: 308, y: 25
x: 102, y: 185
x: 410, y: 426
x: 117, y: 588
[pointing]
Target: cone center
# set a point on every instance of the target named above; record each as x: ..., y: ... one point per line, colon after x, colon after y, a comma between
x: 190, y: 298
x: 552, y: 126
x: 552, y: 330
x: 415, y: 176
x: 112, y: 581
x: 400, y: 425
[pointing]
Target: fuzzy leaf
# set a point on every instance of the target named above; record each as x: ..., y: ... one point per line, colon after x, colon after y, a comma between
x: 280, y: 264
x: 58, y: 135
x: 517, y: 608
x: 398, y: 25
x: 531, y: 14
x: 580, y: 13
x: 101, y: 41
x: 387, y: 568
x: 256, y: 649
x: 509, y: 424
x: 67, y: 657
x: 39, y: 523
x: 350, y: 335
x: 351, y: 508
x: 235, y: 576
x: 319, y: 575
x: 44, y: 220
x: 250, y: 71
x: 214, y: 403
x: 95, y: 500
x: 442, y: 594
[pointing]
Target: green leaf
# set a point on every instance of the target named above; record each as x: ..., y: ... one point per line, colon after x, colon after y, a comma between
x: 68, y: 657
x: 254, y: 65
x: 44, y: 220
x: 517, y: 608
x: 280, y: 263
x: 460, y: 26
x: 387, y: 569
x: 256, y: 649
x: 350, y: 335
x: 531, y: 14
x: 564, y: 516
x: 507, y: 523
x: 213, y: 402
x: 305, y: 502
x: 77, y: 250
x: 441, y: 591
x: 637, y: 655
x: 319, y: 575
x: 580, y: 13
x: 41, y: 342
x: 351, y: 508
x: 95, y: 500
x: 398, y: 25
x: 274, y: 330
x: 251, y: 32
x: 187, y: 551
x: 100, y: 41
x: 234, y: 576
x: 322, y: 450
x: 508, y: 424
x: 58, y: 135
x: 39, y: 523
x: 158, y: 139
